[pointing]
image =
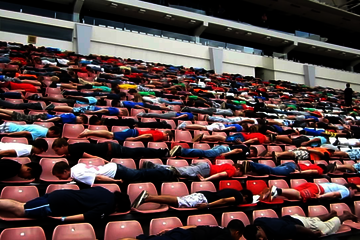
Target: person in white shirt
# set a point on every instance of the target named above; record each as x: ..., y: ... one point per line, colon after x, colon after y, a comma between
x: 23, y: 150
x: 110, y: 172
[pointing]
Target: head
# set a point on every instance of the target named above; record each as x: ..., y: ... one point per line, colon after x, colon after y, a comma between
x: 95, y: 120
x: 247, y: 196
x: 61, y: 170
x: 53, y: 132
x: 236, y: 228
x: 168, y: 135
x: 352, y: 188
x: 122, y: 202
x: 81, y: 119
x: 60, y: 146
x: 253, y: 152
x: 30, y: 170
x: 132, y: 91
x: 348, y: 85
x: 253, y: 232
x: 238, y: 169
x: 39, y: 146
x: 115, y: 103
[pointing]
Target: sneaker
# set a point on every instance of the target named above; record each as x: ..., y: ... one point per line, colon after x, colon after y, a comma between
x: 140, y: 114
x: 273, y: 193
x: 140, y: 199
x: 223, y: 105
x: 275, y: 158
x: 50, y: 107
x: 33, y: 97
x: 148, y: 165
x: 182, y: 125
x: 198, y: 137
x: 175, y: 151
x: 246, y: 165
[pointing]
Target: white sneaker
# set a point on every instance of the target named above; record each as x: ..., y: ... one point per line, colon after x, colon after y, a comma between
x: 273, y: 193
x: 182, y: 125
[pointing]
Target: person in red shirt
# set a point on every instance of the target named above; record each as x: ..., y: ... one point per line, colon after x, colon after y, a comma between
x: 25, y: 87
x: 130, y: 135
x: 244, y: 138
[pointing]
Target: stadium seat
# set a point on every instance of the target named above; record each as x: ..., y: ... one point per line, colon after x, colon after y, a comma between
x: 257, y: 186
x: 271, y: 148
x: 194, y: 161
x: 183, y: 145
x: 134, y: 189
x: 50, y: 153
x: 122, y: 229
x: 203, y: 219
x: 54, y: 187
x: 47, y: 166
x: 340, y: 181
x: 14, y: 140
x: 320, y: 180
x: 286, y: 161
x: 182, y: 136
x: 72, y: 130
x: 224, y: 161
x: 14, y: 101
x: 21, y: 233
x: 290, y: 147
x: 202, y: 146
x: 133, y: 144
x: 153, y: 160
x: 157, y: 225
x: 233, y: 184
x: 112, y: 187
x: 45, y: 124
x: 264, y: 213
x: 340, y: 208
x: 296, y: 182
x: 228, y: 216
x: 177, y: 162
x: 202, y: 186
x: 92, y: 161
x: 355, y: 180
x: 127, y: 162
x: 76, y: 231
x: 170, y: 122
x: 148, y: 120
x: 103, y: 140
x: 78, y: 140
x: 157, y: 145
x: 134, y: 111
x: 197, y: 132
x: 292, y: 210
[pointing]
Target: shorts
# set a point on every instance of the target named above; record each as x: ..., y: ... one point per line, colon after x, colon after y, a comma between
x: 301, y: 154
x: 37, y: 208
x: 28, y: 118
x: 330, y: 226
x: 357, y: 167
x: 309, y: 190
x: 300, y: 118
x: 85, y: 109
x: 213, y: 126
x: 299, y: 140
x: 113, y: 111
x: 233, y: 137
x: 190, y: 201
x: 4, y: 128
x: 122, y: 136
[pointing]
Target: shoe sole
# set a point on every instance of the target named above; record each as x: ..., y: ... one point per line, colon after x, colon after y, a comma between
x: 139, y: 199
x: 272, y: 193
x: 174, y: 150
x: 198, y: 137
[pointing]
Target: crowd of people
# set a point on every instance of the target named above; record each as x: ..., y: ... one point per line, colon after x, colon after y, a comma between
x: 192, y: 113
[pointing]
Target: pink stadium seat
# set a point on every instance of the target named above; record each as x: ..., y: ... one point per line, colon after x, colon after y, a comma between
x: 14, y: 140
x: 177, y: 189
x: 281, y: 183
x: 102, y: 140
x: 203, y: 219
x: 158, y: 225
x: 54, y: 187
x: 45, y: 124
x: 78, y: 140
x: 47, y: 166
x: 72, y: 130
x: 119, y: 128
x: 14, y: 101
x: 148, y: 120
x: 153, y: 160
x: 264, y: 213
x: 202, y: 146
x: 49, y: 90
x: 260, y: 149
x: 182, y: 136
x: 274, y: 149
x: 286, y: 161
x: 296, y: 182
x: 292, y: 210
x: 127, y: 162
x: 320, y: 180
x: 340, y: 208
x: 157, y: 145
x: 321, y: 162
x: 224, y: 161
x: 228, y: 216
x: 76, y: 231
x: 340, y: 181
x: 92, y: 161
x: 170, y: 122
x: 21, y: 233
x: 134, y: 189
x: 194, y: 161
x: 133, y: 144
x: 201, y: 122
x: 134, y: 111
x: 202, y: 186
x: 177, y: 162
x: 50, y: 152
x: 122, y: 229
x: 290, y: 147
x: 112, y: 187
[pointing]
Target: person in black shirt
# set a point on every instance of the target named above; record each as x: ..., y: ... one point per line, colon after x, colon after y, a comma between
x: 11, y: 168
x: 348, y: 94
x: 129, y: 122
x: 233, y: 231
x: 89, y: 204
x: 106, y: 150
x: 200, y: 200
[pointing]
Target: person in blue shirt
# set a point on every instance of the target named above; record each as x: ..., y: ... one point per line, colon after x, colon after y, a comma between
x: 33, y: 131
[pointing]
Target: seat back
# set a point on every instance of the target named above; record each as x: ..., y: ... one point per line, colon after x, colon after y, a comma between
x: 202, y: 219
x: 177, y: 189
x: 280, y: 183
x: 19, y: 193
x: 202, y: 186
x: 21, y: 233
x: 112, y: 187
x: 134, y: 189
x: 228, y: 216
x: 55, y: 187
x: 296, y: 182
x: 317, y: 210
x: 232, y: 184
x: 72, y: 130
x: 127, y: 162
x: 78, y: 231
x: 339, y: 208
x: 177, y: 162
x: 122, y: 229
x: 340, y: 181
x: 47, y: 165
x: 292, y: 210
x: 159, y: 224
x: 264, y: 213
x: 14, y: 140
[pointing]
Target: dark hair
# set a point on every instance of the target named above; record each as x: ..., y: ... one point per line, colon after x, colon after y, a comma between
x: 351, y: 185
x: 132, y: 91
x: 84, y: 118
x: 59, y: 143
x: 36, y: 169
x: 250, y: 232
x: 60, y: 167
x: 122, y: 94
x: 93, y: 120
x: 56, y: 130
x: 323, y: 167
x: 348, y: 85
x: 41, y: 144
x: 236, y: 225
x: 122, y: 202
x: 170, y: 134
x: 248, y: 195
x: 115, y: 102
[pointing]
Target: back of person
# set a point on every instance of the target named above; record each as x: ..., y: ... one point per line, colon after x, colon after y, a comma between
x: 37, y: 131
x: 334, y: 187
x: 314, y: 156
x: 226, y: 167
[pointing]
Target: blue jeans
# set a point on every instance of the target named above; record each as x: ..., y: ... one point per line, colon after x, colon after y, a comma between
x: 211, y: 153
x: 234, y: 137
x: 144, y: 175
x: 283, y: 169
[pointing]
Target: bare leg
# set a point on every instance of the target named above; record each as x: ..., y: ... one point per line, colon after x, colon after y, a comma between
x: 345, y: 167
x: 11, y: 208
x: 283, y: 138
x: 165, y: 199
x: 287, y: 155
x: 214, y: 138
x: 5, y: 116
x: 291, y: 194
x: 35, y: 83
x: 96, y: 133
x: 196, y: 127
x: 63, y: 109
x: 348, y: 216
x: 7, y: 112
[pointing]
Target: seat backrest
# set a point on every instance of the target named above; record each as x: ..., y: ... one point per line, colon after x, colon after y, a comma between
x: 264, y: 213
x: 274, y: 149
x: 357, y: 208
x: 317, y: 210
x: 97, y: 127
x: 20, y: 193
x: 127, y: 162
x: 182, y: 136
x: 320, y: 180
x: 203, y: 219
x: 194, y: 161
x: 134, y: 189
x: 340, y: 181
x: 133, y: 144
x: 202, y: 186
x: 159, y: 224
x: 260, y: 149
x: 228, y: 216
x: 119, y: 128
x: 50, y: 152
x: 223, y: 161
x: 122, y: 229
x: 292, y: 210
x: 112, y: 187
x: 296, y: 182
x: 177, y: 162
x: 92, y: 161
x: 202, y: 146
x: 21, y: 233
x: 14, y: 140
x: 77, y: 231
x: 47, y: 165
x: 177, y: 189
x: 269, y: 163
x: 280, y: 183
x: 73, y: 140
x: 156, y: 145
x: 233, y: 184
x: 339, y: 208
x: 45, y: 124
x: 355, y: 180
x: 54, y: 187
x: 255, y: 186
x: 72, y: 130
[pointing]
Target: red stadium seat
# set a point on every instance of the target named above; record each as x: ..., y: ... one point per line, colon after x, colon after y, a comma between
x: 21, y: 233
x: 122, y: 229
x: 112, y: 187
x: 202, y: 186
x: 72, y: 130
x: 54, y: 187
x: 76, y: 231
x: 257, y: 186
x: 127, y: 162
x: 203, y: 219
x: 14, y: 101
x: 157, y: 225
x: 232, y: 184
x: 134, y: 111
x: 170, y: 122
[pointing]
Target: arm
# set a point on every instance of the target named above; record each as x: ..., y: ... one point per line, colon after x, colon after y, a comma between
x: 20, y: 134
x: 182, y: 116
x: 102, y: 178
x: 140, y: 138
x: 330, y: 195
x: 213, y: 177
x: 234, y: 151
x: 307, y: 233
x: 74, y: 218
x: 54, y: 119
